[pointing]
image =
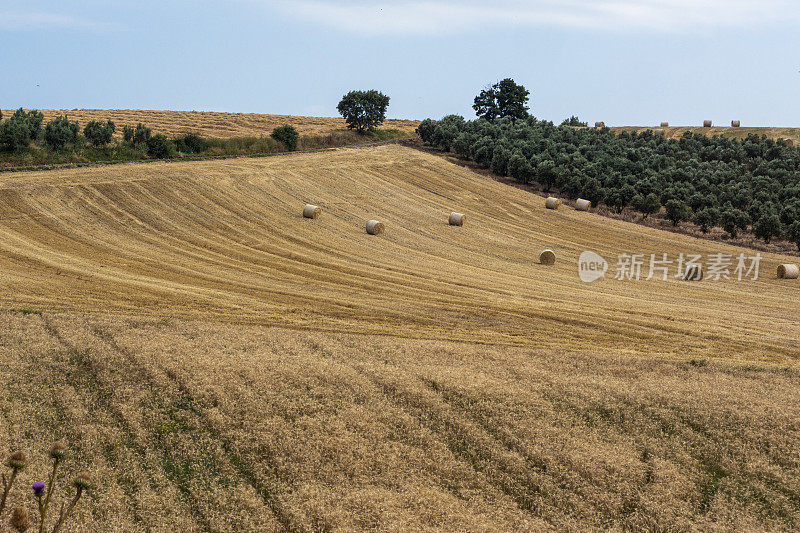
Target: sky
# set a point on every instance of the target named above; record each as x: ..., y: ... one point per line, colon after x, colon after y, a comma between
x: 625, y: 62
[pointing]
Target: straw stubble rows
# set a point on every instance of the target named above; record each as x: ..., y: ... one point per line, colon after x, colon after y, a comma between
x: 223, y: 363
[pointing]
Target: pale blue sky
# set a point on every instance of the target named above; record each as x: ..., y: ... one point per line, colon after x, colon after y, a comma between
x: 621, y: 61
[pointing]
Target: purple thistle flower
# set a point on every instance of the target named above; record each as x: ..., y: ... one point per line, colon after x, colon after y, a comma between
x: 38, y: 487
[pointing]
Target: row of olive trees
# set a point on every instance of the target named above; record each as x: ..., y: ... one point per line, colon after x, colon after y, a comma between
x: 23, y: 127
x: 753, y: 184
x: 362, y: 110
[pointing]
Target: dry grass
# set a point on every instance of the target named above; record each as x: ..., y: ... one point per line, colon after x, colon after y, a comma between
x: 212, y: 123
x: 221, y: 363
x: 208, y: 427
x: 226, y: 240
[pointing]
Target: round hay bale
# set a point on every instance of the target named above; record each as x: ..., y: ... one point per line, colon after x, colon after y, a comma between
x: 311, y: 211
x: 456, y: 219
x: 374, y: 227
x: 552, y: 202
x: 599, y: 124
x: 707, y: 123
x: 693, y: 273
x: 658, y: 132
x: 665, y: 124
x: 735, y: 123
x: 788, y: 271
x: 547, y: 257
x: 582, y: 205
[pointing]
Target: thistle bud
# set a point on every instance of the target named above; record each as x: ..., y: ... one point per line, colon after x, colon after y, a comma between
x: 20, y: 520
x: 83, y: 481
x: 38, y: 488
x: 58, y: 450
x: 17, y: 461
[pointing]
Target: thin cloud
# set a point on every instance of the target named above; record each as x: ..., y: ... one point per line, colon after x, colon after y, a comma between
x: 432, y: 17
x: 32, y: 21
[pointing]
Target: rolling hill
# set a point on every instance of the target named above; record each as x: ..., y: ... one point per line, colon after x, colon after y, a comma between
x: 210, y: 123
x: 222, y: 363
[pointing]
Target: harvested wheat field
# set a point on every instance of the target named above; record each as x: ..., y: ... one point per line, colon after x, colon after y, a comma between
x: 675, y: 132
x: 211, y: 123
x: 221, y: 363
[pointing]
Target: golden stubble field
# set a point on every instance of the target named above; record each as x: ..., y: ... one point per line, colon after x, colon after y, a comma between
x: 211, y: 123
x: 222, y: 364
x: 226, y: 241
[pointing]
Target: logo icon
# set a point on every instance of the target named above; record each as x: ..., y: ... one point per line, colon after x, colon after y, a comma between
x: 591, y: 267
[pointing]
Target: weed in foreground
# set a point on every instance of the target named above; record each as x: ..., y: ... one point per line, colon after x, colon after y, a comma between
x: 42, y: 492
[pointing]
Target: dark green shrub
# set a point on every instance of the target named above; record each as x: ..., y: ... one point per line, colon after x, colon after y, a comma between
x: 520, y: 168
x: 707, y: 218
x: 364, y: 110
x: 127, y: 133
x: 191, y: 143
x: 793, y: 233
x: 141, y: 134
x: 618, y: 198
x: 646, y: 204
x: 425, y: 130
x: 462, y: 143
x: 574, y: 122
x: 446, y: 131
x: 790, y: 212
x: 35, y: 119
x: 768, y: 225
x: 99, y: 134
x: 59, y: 132
x: 160, y: 147
x: 546, y: 174
x: 734, y: 220
x: 677, y: 211
x: 500, y: 159
x: 32, y: 120
x: 15, y: 133
x: 287, y: 135
x: 592, y: 190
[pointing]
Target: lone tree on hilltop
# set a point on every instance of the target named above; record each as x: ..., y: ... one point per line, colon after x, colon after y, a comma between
x: 503, y: 99
x: 364, y: 110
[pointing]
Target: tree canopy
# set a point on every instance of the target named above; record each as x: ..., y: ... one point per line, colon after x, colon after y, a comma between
x: 503, y: 99
x: 364, y: 110
x: 753, y: 183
